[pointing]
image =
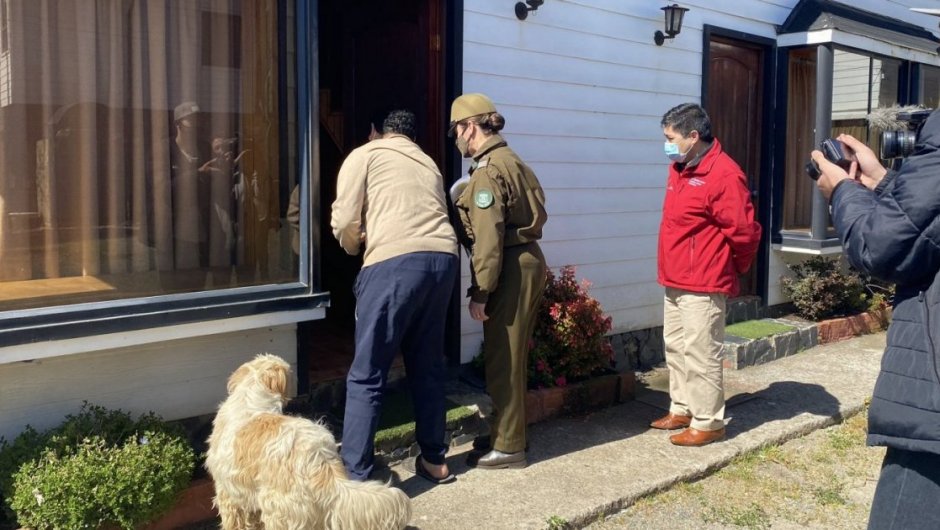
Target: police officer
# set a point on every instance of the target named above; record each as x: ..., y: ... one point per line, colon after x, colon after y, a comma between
x: 502, y: 211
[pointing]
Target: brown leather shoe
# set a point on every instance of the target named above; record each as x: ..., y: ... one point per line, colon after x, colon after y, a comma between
x: 696, y: 438
x: 672, y: 421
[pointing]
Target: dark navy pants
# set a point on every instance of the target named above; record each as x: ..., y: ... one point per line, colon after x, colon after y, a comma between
x: 908, y: 492
x: 401, y: 304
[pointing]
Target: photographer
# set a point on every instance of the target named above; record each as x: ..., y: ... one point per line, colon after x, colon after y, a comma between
x: 889, y: 224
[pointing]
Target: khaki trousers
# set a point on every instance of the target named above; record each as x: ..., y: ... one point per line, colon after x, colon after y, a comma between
x: 512, y: 309
x: 693, y: 332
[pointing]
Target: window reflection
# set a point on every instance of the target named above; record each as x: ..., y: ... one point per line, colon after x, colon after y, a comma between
x: 141, y: 150
x: 929, y: 89
x: 861, y: 84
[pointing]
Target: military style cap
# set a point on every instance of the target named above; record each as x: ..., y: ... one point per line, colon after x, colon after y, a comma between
x: 184, y: 109
x: 468, y: 106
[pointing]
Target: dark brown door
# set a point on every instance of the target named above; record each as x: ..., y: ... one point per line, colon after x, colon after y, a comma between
x: 735, y: 103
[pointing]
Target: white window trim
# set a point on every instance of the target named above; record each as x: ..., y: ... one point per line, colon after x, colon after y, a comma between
x: 834, y: 36
x: 44, y: 350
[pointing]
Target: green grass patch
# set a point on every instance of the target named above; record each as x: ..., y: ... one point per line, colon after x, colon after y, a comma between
x: 756, y: 329
x: 397, y: 420
x: 753, y: 516
x: 830, y: 495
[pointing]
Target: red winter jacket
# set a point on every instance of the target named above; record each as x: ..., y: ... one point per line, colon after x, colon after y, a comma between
x: 708, y: 234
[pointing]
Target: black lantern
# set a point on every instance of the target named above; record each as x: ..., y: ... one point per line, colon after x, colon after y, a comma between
x: 674, y: 15
x: 522, y: 10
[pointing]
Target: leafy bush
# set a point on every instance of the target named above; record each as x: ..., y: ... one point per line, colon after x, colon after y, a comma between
x: 98, y: 467
x: 821, y: 289
x: 570, y: 340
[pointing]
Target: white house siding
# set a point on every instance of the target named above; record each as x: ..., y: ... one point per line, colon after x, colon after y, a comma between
x: 583, y: 87
x: 176, y: 379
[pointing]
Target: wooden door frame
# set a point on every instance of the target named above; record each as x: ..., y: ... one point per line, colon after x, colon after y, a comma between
x: 765, y: 181
x: 452, y: 165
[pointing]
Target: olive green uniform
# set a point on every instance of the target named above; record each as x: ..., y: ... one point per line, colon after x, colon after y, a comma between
x: 502, y: 211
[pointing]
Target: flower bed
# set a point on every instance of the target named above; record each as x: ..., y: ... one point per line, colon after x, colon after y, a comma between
x: 836, y: 329
x: 591, y: 394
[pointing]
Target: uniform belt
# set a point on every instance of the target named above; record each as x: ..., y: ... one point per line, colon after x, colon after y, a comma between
x: 517, y: 243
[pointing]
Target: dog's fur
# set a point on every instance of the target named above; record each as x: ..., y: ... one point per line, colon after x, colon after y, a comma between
x: 279, y: 472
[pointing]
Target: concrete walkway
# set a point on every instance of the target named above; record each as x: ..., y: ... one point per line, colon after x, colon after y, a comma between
x: 585, y: 467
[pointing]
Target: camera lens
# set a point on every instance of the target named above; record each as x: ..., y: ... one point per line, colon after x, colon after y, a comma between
x: 897, y: 144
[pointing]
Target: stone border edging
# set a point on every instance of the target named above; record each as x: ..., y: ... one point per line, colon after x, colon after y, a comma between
x: 740, y: 353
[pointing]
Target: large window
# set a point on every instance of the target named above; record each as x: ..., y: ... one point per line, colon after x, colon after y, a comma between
x: 143, y: 150
x: 929, y: 88
x: 860, y: 83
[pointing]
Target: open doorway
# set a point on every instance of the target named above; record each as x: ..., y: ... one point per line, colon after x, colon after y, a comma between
x: 373, y: 57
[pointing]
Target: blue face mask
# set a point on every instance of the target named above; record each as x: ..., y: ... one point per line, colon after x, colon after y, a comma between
x: 672, y: 151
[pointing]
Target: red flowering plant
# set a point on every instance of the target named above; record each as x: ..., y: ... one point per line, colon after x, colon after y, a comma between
x: 570, y: 341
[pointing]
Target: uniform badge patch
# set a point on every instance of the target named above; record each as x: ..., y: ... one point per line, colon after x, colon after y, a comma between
x: 483, y: 199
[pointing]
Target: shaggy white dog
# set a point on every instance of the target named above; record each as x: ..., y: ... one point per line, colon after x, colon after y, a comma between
x: 278, y: 472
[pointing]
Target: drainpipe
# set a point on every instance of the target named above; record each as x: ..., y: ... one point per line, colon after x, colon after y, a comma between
x: 820, y: 223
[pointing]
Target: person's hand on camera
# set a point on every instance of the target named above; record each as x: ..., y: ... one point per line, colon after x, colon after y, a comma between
x: 870, y: 170
x: 830, y: 175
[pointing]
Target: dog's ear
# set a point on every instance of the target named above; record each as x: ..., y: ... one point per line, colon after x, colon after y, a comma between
x: 274, y: 378
x: 237, y: 377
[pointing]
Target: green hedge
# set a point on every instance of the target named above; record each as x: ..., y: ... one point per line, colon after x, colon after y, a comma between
x: 99, y: 467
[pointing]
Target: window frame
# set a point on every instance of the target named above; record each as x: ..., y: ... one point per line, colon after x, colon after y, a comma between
x: 822, y: 238
x: 302, y: 297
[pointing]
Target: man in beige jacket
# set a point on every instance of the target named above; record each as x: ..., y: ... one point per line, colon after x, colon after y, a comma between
x: 390, y: 198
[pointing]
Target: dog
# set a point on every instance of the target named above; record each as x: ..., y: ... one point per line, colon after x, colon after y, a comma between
x: 278, y: 472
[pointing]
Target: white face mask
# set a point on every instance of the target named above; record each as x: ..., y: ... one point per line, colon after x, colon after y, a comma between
x: 672, y: 151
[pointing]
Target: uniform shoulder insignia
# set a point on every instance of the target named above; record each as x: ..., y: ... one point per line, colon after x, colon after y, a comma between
x: 483, y: 198
x: 483, y: 163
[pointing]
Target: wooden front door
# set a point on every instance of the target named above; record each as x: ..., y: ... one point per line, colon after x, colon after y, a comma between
x: 735, y: 103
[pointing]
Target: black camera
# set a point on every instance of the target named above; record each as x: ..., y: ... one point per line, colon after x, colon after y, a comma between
x: 899, y: 144
x: 835, y: 152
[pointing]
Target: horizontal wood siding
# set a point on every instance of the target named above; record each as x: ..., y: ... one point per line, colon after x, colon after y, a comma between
x: 175, y: 379
x: 583, y: 88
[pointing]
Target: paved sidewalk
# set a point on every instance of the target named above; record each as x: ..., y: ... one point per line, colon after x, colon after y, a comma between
x: 585, y: 467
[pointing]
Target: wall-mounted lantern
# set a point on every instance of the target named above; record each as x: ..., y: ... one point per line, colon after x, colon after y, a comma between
x: 522, y: 10
x: 674, y: 15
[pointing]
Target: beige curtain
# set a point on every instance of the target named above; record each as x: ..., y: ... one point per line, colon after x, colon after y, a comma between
x: 97, y: 178
x: 801, y: 113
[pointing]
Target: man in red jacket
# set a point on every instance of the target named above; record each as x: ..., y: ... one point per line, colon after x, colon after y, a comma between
x: 706, y: 238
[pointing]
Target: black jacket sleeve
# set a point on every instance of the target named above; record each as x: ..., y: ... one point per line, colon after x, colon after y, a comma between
x: 894, y: 233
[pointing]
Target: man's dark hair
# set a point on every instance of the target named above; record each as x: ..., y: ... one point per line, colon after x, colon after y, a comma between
x: 400, y: 122
x: 689, y: 117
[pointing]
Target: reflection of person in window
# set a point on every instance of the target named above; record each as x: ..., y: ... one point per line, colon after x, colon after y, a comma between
x: 189, y: 191
x: 227, y: 208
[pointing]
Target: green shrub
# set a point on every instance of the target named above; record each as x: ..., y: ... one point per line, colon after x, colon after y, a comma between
x: 570, y: 341
x: 99, y: 466
x: 821, y: 288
